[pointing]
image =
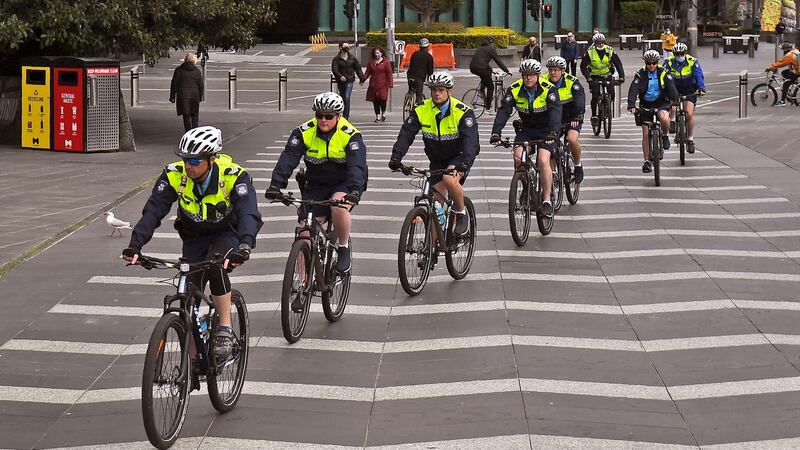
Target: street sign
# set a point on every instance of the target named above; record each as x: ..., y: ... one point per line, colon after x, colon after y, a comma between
x: 400, y: 47
x: 664, y: 17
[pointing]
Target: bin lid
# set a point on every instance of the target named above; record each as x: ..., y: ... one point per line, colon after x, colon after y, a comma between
x: 69, y: 61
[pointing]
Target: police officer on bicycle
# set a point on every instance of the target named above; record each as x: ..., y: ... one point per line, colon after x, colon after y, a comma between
x: 450, y: 134
x: 654, y: 88
x: 539, y: 109
x: 217, y: 214
x: 573, y: 104
x: 688, y: 77
x: 336, y: 163
x: 600, y: 63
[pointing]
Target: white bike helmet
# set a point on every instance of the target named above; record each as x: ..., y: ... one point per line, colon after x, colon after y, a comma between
x: 651, y: 56
x: 557, y: 61
x: 599, y: 38
x: 440, y: 79
x: 424, y: 42
x: 328, y: 102
x: 530, y: 66
x: 200, y: 142
x: 680, y: 47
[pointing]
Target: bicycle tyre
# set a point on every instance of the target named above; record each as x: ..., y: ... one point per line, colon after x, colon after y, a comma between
x: 519, y: 208
x: 763, y: 94
x: 544, y: 223
x: 475, y: 99
x: 334, y: 300
x: 680, y: 137
x: 408, y: 105
x: 791, y: 97
x: 459, y: 271
x: 415, y: 218
x: 571, y: 187
x: 655, y: 153
x: 558, y: 183
x: 294, y: 323
x: 607, y: 118
x: 178, y: 376
x: 222, y: 399
x: 596, y: 127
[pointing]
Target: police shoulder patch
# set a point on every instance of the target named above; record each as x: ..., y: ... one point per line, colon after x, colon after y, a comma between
x: 348, y: 129
x: 354, y: 146
x: 509, y: 98
x: 551, y: 97
x: 161, y: 186
x: 469, y: 122
x: 241, y: 189
x: 307, y: 126
x: 294, y: 141
x: 576, y: 87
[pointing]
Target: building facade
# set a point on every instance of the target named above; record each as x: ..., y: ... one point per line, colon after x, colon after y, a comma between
x: 575, y: 15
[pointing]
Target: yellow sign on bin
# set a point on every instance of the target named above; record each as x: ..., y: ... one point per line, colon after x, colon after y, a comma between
x: 36, y: 107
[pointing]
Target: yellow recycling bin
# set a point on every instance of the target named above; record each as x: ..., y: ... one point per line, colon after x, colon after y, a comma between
x: 36, y: 107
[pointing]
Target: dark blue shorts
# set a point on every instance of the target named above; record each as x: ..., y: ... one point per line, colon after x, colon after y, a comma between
x: 205, y: 248
x: 319, y: 193
x: 531, y: 135
x: 443, y: 164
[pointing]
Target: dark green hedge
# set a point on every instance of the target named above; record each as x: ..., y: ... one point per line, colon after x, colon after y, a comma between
x: 472, y: 38
x: 639, y: 14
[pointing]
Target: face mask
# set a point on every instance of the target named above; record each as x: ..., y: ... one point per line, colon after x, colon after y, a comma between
x: 377, y: 56
x: 680, y: 58
x: 345, y: 50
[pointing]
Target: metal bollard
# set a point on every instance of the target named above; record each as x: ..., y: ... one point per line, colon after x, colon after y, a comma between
x: 134, y: 86
x: 617, y: 108
x: 751, y: 48
x: 232, y: 88
x: 283, y: 89
x: 334, y: 84
x: 743, y: 94
x: 716, y: 49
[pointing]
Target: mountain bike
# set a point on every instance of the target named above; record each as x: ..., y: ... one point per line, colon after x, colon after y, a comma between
x: 571, y: 186
x: 410, y: 100
x: 656, y: 150
x: 682, y: 128
x: 527, y: 193
x: 179, y: 356
x: 429, y: 231
x: 766, y: 93
x: 311, y: 270
x: 604, y: 114
x: 476, y: 99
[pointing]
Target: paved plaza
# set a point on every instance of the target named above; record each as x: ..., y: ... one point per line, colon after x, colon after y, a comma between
x: 651, y: 317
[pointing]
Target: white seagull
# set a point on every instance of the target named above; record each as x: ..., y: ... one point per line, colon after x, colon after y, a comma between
x: 116, y: 224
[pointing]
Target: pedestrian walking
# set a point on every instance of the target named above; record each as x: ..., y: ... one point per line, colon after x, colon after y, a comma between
x: 379, y: 73
x: 668, y: 40
x: 532, y: 50
x: 569, y: 51
x: 186, y: 91
x: 345, y: 67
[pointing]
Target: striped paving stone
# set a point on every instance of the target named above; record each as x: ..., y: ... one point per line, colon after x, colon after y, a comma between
x: 649, y: 318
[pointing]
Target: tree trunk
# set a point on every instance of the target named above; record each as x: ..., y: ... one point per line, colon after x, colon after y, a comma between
x: 427, y: 17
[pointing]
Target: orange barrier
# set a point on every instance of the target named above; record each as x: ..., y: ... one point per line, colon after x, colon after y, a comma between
x: 443, y: 55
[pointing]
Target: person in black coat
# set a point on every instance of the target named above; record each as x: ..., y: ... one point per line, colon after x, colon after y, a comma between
x: 479, y: 65
x: 569, y: 51
x: 345, y: 67
x: 532, y: 50
x: 186, y: 91
x: 419, y: 69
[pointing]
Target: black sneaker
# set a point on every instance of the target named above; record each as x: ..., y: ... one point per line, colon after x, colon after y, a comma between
x: 690, y: 146
x: 223, y: 344
x: 343, y: 260
x: 646, y: 167
x: 547, y: 209
x: 462, y: 223
x: 665, y: 142
x: 595, y: 121
x: 672, y: 127
x: 578, y: 174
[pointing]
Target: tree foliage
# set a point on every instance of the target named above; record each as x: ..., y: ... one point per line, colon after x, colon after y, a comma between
x: 117, y: 27
x: 639, y: 14
x: 430, y: 8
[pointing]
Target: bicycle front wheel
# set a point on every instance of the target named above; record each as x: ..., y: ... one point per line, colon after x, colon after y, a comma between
x: 475, y: 99
x: 598, y: 124
x: 607, y: 118
x: 519, y: 207
x: 297, y: 291
x: 558, y: 182
x: 763, y: 95
x: 414, y: 252
x: 165, y: 382
x: 461, y: 250
x: 334, y: 299
x: 655, y: 156
x: 571, y: 187
x: 226, y: 379
x: 680, y: 137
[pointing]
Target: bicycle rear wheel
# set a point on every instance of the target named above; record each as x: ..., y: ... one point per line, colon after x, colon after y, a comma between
x: 558, y: 182
x: 414, y: 251
x: 297, y: 291
x: 607, y: 118
x: 571, y: 187
x: 680, y: 137
x: 519, y: 207
x: 544, y: 222
x: 334, y: 299
x: 408, y: 105
x: 763, y: 95
x: 226, y: 379
x: 476, y: 100
x: 165, y: 382
x: 461, y: 249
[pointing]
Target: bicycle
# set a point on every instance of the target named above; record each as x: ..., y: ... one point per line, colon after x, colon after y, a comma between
x: 169, y: 375
x: 604, y: 114
x: 766, y: 93
x: 311, y: 270
x: 476, y: 99
x: 571, y: 186
x: 527, y: 193
x: 656, y: 151
x: 428, y: 232
x: 410, y: 100
x: 681, y: 128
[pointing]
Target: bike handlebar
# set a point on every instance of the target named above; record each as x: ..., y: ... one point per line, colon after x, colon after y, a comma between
x: 151, y: 262
x: 508, y: 143
x: 409, y: 170
x: 289, y: 199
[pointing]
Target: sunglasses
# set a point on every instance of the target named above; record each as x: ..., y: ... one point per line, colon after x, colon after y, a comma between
x: 651, y: 64
x: 321, y: 116
x: 678, y: 54
x: 193, y: 161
